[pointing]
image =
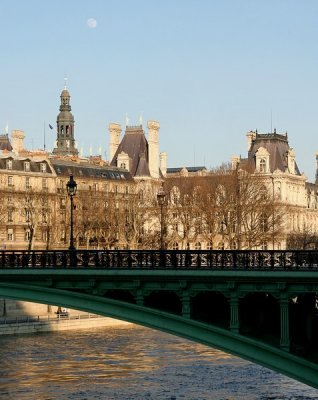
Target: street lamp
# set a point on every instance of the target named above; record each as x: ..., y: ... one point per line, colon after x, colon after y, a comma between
x: 161, y: 198
x: 71, y: 191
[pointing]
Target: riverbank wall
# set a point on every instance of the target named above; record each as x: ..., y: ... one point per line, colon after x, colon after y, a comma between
x: 17, y: 326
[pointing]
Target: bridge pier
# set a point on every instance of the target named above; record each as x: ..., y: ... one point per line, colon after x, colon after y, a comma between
x: 234, y: 321
x: 284, y: 323
x: 139, y: 298
x: 186, y: 307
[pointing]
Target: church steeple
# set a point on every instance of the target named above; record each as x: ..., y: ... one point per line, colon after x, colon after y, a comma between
x: 65, y: 142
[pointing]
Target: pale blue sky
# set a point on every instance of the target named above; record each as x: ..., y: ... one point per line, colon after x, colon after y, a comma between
x: 208, y: 71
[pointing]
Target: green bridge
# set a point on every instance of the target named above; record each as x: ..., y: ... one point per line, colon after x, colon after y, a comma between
x: 258, y: 305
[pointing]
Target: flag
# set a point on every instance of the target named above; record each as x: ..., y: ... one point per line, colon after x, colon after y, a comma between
x: 51, y: 127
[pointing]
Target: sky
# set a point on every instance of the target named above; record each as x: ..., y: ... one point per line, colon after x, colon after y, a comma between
x: 208, y: 71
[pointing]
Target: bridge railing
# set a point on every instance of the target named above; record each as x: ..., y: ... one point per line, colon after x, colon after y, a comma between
x: 163, y: 259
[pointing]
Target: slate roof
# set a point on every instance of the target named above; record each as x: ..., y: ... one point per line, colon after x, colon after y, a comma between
x: 134, y: 143
x: 67, y: 168
x: 189, y: 169
x: 5, y: 143
x: 18, y: 164
x: 277, y: 146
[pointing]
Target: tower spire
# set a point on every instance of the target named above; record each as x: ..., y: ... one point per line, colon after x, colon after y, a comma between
x: 65, y: 143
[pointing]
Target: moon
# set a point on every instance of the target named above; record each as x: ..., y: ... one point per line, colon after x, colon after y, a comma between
x: 91, y: 23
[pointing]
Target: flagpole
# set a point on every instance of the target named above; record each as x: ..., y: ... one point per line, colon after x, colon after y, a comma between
x: 44, y: 135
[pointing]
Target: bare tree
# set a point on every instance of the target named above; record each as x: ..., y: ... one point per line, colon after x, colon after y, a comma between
x: 303, y: 239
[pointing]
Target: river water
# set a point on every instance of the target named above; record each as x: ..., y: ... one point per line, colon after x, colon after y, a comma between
x: 130, y: 362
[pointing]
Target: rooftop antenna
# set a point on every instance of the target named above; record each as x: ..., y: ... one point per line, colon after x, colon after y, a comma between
x: 127, y: 119
x: 7, y: 129
x: 271, y: 122
x: 140, y: 119
x: 65, y: 83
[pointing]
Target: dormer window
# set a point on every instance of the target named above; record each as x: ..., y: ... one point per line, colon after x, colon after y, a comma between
x: 9, y: 164
x: 123, y: 160
x: 262, y: 165
x: 27, y: 166
x: 43, y: 167
x: 291, y: 161
x: 262, y: 160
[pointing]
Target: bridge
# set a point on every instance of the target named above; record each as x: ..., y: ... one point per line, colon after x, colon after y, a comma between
x: 259, y: 305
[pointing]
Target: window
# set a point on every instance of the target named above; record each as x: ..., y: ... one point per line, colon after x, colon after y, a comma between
x: 9, y: 164
x: 262, y: 165
x: 9, y: 199
x: 27, y: 235
x: 10, y: 234
x: 175, y: 246
x: 264, y: 246
x: 62, y: 202
x: 44, y: 183
x: 197, y: 246
x: 27, y: 216
x: 62, y: 217
x: 27, y: 166
x: 10, y: 180
x: 27, y: 183
x: 10, y: 215
x: 209, y: 246
x: 43, y: 167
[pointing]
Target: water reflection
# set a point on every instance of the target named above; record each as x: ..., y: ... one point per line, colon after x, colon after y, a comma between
x: 132, y: 363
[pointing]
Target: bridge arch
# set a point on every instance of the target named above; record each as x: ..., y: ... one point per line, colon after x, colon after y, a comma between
x: 229, y: 342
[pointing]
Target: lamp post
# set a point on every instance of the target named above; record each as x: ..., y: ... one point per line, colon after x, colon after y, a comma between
x: 161, y: 197
x: 71, y: 191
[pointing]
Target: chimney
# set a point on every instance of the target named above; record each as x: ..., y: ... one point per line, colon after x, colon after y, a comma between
x: 153, y: 148
x: 250, y: 137
x: 114, y: 137
x: 235, y: 162
x: 17, y: 141
x: 163, y: 163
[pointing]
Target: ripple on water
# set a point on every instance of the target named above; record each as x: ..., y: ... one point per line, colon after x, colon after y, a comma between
x: 132, y: 363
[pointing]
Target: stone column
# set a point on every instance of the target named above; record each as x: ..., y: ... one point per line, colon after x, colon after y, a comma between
x: 234, y: 322
x: 139, y: 298
x: 284, y: 324
x: 186, y: 307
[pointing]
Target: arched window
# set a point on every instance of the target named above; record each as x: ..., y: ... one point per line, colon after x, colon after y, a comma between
x: 197, y: 246
x: 209, y: 246
x: 175, y: 246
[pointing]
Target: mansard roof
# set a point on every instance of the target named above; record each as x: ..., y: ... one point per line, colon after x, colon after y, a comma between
x: 19, y: 162
x: 189, y: 169
x: 5, y: 143
x: 277, y: 147
x: 134, y: 143
x: 82, y: 170
x: 142, y: 167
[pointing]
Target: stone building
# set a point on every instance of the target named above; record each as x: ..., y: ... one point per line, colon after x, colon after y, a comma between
x: 271, y: 158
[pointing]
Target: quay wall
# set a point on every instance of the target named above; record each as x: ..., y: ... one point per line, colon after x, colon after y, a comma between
x: 42, y: 324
